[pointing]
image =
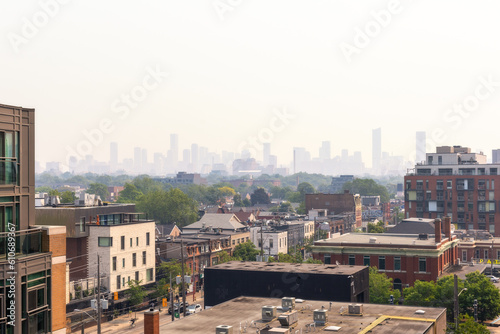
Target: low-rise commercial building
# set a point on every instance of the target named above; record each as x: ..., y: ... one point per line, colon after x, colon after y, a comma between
x: 307, y: 281
x: 311, y: 315
x: 403, y: 257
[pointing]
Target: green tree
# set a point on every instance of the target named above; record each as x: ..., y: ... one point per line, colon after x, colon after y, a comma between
x: 246, y: 202
x: 43, y: 189
x: 172, y: 269
x: 301, y: 210
x: 445, y: 296
x: 68, y: 197
x: 381, y: 288
x: 224, y: 257
x: 237, y: 200
x: 376, y: 228
x: 98, y: 189
x: 305, y: 188
x: 312, y: 260
x: 294, y: 197
x: 135, y: 292
x: 145, y: 184
x: 467, y: 325
x: 283, y: 207
x: 367, y: 187
x: 422, y: 293
x: 162, y: 288
x: 488, y: 297
x: 54, y: 192
x: 260, y: 196
x: 169, y: 207
x: 246, y: 251
x: 129, y: 194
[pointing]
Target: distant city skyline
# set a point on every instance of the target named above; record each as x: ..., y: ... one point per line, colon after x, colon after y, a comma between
x: 235, y: 80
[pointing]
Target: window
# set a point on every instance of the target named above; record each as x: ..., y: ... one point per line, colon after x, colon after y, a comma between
x: 123, y: 281
x: 134, y: 259
x: 82, y: 224
x: 464, y: 255
x: 271, y: 243
x: 422, y: 264
x: 260, y: 242
x: 130, y: 242
x: 144, y: 258
x: 397, y: 263
x: 486, y: 254
x: 215, y: 260
x: 147, y: 239
x: 137, y: 241
x: 381, y: 263
x: 137, y: 276
x: 234, y: 242
x: 149, y: 274
x: 327, y: 259
x: 118, y: 282
x: 366, y: 260
x: 449, y: 184
x: 114, y: 263
x: 123, y: 263
x: 122, y: 242
x: 105, y: 241
x: 352, y: 260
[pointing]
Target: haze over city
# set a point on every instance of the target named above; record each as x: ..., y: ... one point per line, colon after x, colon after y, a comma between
x: 218, y: 75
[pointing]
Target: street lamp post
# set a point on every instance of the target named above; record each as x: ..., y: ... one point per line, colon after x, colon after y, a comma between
x: 457, y: 294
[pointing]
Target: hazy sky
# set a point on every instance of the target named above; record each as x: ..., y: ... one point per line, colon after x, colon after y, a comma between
x: 216, y: 72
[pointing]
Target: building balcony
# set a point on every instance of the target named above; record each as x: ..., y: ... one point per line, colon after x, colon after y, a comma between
x: 121, y: 218
x: 26, y: 243
x: 481, y: 198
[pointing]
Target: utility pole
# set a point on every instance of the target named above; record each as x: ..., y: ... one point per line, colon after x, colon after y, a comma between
x: 262, y: 241
x: 182, y: 278
x: 98, y: 295
x: 455, y: 290
x: 171, y: 298
x: 194, y: 276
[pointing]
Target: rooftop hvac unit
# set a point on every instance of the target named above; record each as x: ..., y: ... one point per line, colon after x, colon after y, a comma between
x: 288, y: 303
x: 224, y: 329
x: 373, y: 240
x: 268, y: 313
x: 275, y: 331
x: 289, y: 318
x: 320, y: 317
x: 356, y: 309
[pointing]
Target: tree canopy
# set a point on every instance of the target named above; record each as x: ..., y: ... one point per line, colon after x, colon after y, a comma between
x: 260, y: 196
x: 381, y: 288
x: 246, y: 251
x: 376, y: 228
x: 367, y: 187
x: 98, y: 189
x: 169, y: 207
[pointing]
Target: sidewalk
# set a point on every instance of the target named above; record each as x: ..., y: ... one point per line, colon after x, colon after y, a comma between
x: 122, y: 323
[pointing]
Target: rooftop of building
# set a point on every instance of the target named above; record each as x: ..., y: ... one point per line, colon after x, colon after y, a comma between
x: 368, y: 239
x: 224, y: 221
x: 247, y: 311
x: 414, y: 226
x: 83, y: 207
x: 309, y: 268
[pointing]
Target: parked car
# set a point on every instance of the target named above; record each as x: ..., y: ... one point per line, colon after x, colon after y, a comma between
x: 178, y: 307
x: 493, y: 278
x: 195, y: 308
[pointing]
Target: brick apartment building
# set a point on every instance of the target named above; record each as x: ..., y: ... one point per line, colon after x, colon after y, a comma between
x: 403, y: 257
x: 336, y: 204
x: 40, y: 254
x: 457, y: 183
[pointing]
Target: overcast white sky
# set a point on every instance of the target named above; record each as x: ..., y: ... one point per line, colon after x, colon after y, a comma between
x: 230, y: 63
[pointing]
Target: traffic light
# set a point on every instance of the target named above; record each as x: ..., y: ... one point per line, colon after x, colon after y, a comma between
x: 115, y: 297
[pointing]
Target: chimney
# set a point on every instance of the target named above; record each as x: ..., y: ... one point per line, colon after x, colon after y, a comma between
x: 437, y: 230
x: 152, y: 322
x: 447, y: 227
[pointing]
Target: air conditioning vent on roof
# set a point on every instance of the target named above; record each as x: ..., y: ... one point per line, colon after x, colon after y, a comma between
x: 224, y: 329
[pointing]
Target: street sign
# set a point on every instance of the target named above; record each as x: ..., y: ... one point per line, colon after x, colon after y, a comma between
x: 164, y: 302
x: 177, y: 315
